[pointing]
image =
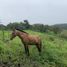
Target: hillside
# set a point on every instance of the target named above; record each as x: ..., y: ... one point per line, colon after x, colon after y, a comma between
x: 63, y: 26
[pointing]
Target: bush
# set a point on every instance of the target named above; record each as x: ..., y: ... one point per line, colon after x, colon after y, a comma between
x: 63, y: 34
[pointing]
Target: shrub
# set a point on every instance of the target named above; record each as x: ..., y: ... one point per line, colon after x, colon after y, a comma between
x: 63, y: 34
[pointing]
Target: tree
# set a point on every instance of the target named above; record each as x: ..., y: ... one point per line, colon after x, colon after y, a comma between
x: 27, y: 25
x: 40, y: 27
x: 2, y: 28
x: 56, y: 30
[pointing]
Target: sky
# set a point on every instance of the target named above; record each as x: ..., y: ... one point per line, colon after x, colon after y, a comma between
x: 35, y: 11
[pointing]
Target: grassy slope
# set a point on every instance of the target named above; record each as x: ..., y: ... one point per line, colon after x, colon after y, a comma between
x: 54, y: 52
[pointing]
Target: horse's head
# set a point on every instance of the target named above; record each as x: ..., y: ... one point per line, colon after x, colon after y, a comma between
x: 14, y: 34
x: 17, y: 32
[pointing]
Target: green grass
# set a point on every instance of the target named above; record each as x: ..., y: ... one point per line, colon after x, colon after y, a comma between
x: 54, y: 52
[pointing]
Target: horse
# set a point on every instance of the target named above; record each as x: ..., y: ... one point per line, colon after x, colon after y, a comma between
x: 27, y: 40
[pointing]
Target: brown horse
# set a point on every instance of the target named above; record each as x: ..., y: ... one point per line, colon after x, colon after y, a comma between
x: 27, y: 40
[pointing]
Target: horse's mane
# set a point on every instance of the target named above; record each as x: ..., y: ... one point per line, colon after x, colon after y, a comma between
x: 21, y: 30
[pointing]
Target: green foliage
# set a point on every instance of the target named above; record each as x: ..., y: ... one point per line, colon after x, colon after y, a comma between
x: 2, y: 27
x: 63, y: 34
x: 40, y: 27
x: 62, y: 26
x: 54, y: 52
x: 35, y: 27
x: 27, y: 25
x: 55, y: 29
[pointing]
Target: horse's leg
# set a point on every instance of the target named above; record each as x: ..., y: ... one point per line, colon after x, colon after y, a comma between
x: 39, y: 48
x: 26, y: 49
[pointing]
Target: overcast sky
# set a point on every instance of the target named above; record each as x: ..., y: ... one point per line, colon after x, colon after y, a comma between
x: 36, y: 11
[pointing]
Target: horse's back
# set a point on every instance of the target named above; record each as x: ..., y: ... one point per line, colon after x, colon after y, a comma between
x: 34, y: 38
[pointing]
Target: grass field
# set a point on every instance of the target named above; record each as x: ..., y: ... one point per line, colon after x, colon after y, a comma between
x: 54, y: 52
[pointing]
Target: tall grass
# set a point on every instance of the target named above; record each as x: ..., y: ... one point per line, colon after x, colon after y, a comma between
x: 54, y: 52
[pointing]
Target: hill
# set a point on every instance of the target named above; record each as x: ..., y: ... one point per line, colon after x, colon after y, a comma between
x: 63, y: 26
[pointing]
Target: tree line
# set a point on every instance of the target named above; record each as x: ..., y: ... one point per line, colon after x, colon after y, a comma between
x: 26, y: 26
